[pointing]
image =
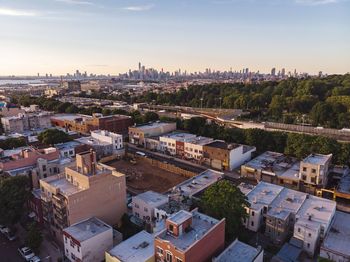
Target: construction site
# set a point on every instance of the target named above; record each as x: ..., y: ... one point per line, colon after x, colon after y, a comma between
x: 143, y: 174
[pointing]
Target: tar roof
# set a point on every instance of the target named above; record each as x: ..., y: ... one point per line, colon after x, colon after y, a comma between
x: 201, y: 224
x: 263, y: 194
x: 223, y: 145
x: 87, y: 229
x: 317, y: 159
x: 238, y: 252
x: 139, y: 247
x: 338, y: 237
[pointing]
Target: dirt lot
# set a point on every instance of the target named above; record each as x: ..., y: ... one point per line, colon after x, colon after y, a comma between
x: 142, y: 176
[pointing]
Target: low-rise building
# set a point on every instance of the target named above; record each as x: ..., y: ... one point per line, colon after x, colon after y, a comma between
x: 335, y: 246
x: 240, y: 252
x: 143, y: 205
x: 26, y: 121
x: 137, y: 134
x: 87, y: 240
x: 190, y: 236
x: 174, y: 143
x: 88, y: 189
x: 138, y: 248
x: 314, y: 172
x: 68, y: 149
x: 226, y: 156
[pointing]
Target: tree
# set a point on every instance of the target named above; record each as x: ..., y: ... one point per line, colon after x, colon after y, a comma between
x: 53, y: 136
x: 225, y: 200
x: 12, y: 143
x: 34, y: 237
x: 14, y: 192
x: 150, y: 116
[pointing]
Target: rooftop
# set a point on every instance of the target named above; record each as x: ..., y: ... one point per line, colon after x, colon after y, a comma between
x: 153, y: 125
x: 180, y: 217
x: 179, y: 136
x: 60, y: 182
x: 317, y: 159
x: 152, y: 198
x: 87, y: 229
x: 139, y: 247
x: 338, y: 237
x: 245, y: 188
x: 68, y: 117
x: 263, y: 195
x: 238, y: 252
x: 286, y: 202
x: 223, y: 145
x: 292, y: 173
x: 67, y: 145
x: 92, y: 141
x: 198, y: 183
x: 201, y: 224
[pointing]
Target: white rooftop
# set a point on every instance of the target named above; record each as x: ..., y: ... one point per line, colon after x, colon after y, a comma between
x: 179, y: 136
x: 263, y: 195
x: 316, y: 210
x: 87, y: 229
x: 238, y: 252
x: 59, y: 181
x: 137, y: 248
x: 153, y: 125
x: 180, y: 217
x: 286, y: 202
x: 338, y: 237
x: 198, y: 183
x: 317, y: 159
x: 201, y: 224
x: 152, y: 198
x: 292, y: 173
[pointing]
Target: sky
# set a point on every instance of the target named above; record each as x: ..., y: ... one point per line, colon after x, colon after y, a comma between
x: 111, y: 36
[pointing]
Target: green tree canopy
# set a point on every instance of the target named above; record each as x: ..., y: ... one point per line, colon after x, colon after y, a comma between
x: 224, y: 200
x: 34, y: 237
x: 53, y: 136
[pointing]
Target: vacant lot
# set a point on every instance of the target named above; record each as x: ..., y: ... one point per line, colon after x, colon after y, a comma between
x: 142, y: 176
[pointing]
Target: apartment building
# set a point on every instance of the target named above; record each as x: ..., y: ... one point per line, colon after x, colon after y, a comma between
x: 260, y: 199
x: 190, y: 236
x: 26, y: 122
x: 87, y: 240
x: 314, y: 172
x: 104, y: 143
x: 240, y: 252
x: 85, y: 124
x: 313, y: 221
x: 139, y: 247
x: 36, y: 163
x: 281, y: 214
x: 138, y: 134
x: 143, y: 205
x: 224, y: 156
x: 335, y: 246
x: 88, y: 189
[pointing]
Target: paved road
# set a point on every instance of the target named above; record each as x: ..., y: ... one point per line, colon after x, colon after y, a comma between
x: 8, y: 250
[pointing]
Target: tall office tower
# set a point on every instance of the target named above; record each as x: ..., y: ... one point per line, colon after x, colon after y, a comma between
x: 273, y: 71
x: 283, y: 72
x: 139, y: 66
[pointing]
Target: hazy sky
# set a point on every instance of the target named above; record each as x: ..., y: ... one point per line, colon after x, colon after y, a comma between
x: 111, y: 36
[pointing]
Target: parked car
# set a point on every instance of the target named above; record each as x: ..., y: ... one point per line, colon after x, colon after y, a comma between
x: 10, y: 235
x: 35, y: 259
x: 3, y: 229
x: 26, y: 252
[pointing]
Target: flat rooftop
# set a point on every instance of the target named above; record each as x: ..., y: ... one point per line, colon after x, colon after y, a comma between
x: 338, y: 236
x: 223, y: 145
x: 263, y: 195
x: 287, y: 202
x: 152, y: 125
x: 245, y: 188
x: 319, y: 210
x: 152, y: 198
x: 200, y: 140
x: 70, y: 117
x: 317, y: 159
x: 180, y: 217
x: 61, y: 183
x: 87, y: 229
x: 179, y: 136
x: 238, y: 252
x: 292, y: 173
x: 198, y: 183
x: 67, y: 145
x: 139, y: 247
x: 271, y: 162
x: 92, y: 141
x: 201, y: 224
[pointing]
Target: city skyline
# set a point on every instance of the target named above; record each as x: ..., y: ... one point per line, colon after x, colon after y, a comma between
x: 110, y: 37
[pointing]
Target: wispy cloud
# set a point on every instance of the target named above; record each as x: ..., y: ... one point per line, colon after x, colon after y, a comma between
x: 76, y: 2
x: 316, y: 2
x: 138, y: 8
x: 16, y: 12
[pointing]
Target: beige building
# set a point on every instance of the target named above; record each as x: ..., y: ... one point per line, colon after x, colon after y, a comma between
x: 137, y: 134
x: 86, y: 190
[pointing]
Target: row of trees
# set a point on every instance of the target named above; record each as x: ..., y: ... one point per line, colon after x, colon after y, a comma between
x: 293, y: 144
x: 324, y: 101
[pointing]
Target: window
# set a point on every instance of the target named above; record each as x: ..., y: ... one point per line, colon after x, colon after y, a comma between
x: 169, y: 257
x: 309, y: 234
x: 253, y: 213
x: 304, y: 169
x: 252, y: 223
x: 145, y: 209
x: 308, y: 245
x: 78, y: 248
x: 313, y: 179
x: 65, y: 239
x: 171, y: 228
x: 159, y: 250
x: 44, y: 168
x: 299, y: 230
x: 72, y: 256
x: 72, y: 244
x: 313, y: 170
x: 178, y: 260
x: 304, y: 177
x: 136, y: 205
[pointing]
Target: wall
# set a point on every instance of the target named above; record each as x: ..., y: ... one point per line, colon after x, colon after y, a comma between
x: 94, y: 249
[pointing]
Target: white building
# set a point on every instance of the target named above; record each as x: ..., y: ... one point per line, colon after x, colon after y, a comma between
x: 194, y: 148
x: 143, y: 205
x: 336, y: 244
x: 138, y: 248
x: 109, y: 137
x: 87, y: 240
x: 169, y: 142
x: 313, y: 220
x: 240, y: 252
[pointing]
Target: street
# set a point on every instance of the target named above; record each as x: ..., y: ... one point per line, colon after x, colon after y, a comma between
x: 8, y: 250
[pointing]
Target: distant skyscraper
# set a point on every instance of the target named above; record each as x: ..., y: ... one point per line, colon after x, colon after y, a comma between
x: 139, y: 66
x: 273, y: 71
x: 283, y: 73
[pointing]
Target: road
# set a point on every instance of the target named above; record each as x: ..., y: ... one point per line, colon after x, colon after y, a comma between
x: 8, y: 250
